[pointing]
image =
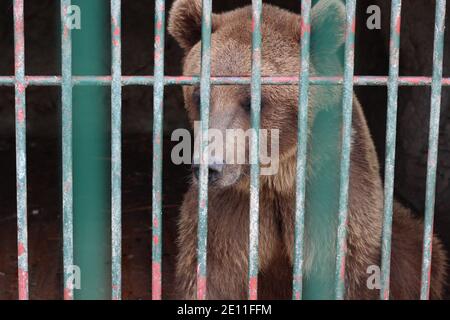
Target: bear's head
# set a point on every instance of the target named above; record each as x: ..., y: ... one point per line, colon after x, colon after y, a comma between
x: 231, y: 46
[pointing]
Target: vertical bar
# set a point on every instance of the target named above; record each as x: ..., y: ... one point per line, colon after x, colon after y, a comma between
x: 436, y: 88
x: 254, y: 149
x: 67, y: 168
x: 347, y: 104
x: 21, y: 151
x: 158, y: 100
x: 302, y: 138
x: 116, y: 151
x: 205, y: 89
x: 389, y: 171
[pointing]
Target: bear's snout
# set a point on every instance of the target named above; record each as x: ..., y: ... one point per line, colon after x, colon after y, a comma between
x: 215, y: 171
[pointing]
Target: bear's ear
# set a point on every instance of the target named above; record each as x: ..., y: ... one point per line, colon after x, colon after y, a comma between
x: 327, y: 27
x: 185, y: 21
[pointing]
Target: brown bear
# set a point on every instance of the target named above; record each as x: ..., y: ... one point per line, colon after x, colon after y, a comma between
x: 228, y: 199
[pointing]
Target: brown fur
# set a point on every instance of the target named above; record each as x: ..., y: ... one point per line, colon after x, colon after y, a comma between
x: 228, y: 222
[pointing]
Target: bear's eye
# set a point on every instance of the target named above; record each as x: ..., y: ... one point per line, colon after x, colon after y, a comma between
x: 247, y: 105
x: 196, y: 98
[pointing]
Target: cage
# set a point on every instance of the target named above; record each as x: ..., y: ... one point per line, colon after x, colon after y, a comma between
x: 128, y: 62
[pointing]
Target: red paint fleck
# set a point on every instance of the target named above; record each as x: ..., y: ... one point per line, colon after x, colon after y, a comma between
x: 18, y: 64
x: 18, y: 12
x: 415, y: 80
x: 159, y: 25
x: 201, y: 287
x: 155, y: 223
x: 344, y: 253
x: 21, y: 116
x: 253, y: 288
x: 342, y: 271
x: 158, y: 196
x: 304, y: 27
x: 23, y: 284
x: 386, y: 294
x: 115, y: 43
x: 68, y: 294
x: 398, y: 25
x: 184, y: 78
x: 21, y: 249
x: 21, y: 87
x: 156, y: 281
x: 284, y: 79
x: 158, y: 139
x: 155, y: 240
x: 116, y: 31
x: 19, y: 49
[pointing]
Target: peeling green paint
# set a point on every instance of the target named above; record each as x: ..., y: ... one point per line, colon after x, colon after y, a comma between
x: 255, y: 118
x: 433, y: 144
x: 116, y: 151
x: 391, y: 131
x: 302, y: 141
x: 347, y: 104
x: 205, y: 90
x: 158, y: 113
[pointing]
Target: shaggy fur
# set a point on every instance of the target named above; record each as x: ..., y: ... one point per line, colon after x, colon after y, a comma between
x: 228, y: 223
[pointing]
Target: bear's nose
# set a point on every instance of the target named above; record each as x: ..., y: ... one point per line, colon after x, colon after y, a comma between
x: 214, y: 171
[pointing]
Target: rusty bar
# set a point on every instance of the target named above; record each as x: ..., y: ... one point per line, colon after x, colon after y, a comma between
x: 205, y: 90
x: 67, y: 159
x: 347, y: 104
x: 116, y: 151
x: 436, y: 89
x: 389, y: 171
x: 185, y: 80
x: 158, y: 114
x: 254, y: 149
x: 21, y: 150
x: 302, y: 138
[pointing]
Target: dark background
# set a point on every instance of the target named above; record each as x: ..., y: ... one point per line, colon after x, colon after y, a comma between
x: 43, y: 129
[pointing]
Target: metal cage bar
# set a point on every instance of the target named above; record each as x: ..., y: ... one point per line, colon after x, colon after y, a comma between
x: 158, y: 101
x: 205, y: 90
x: 116, y: 151
x: 389, y: 173
x: 193, y: 80
x: 255, y: 118
x: 433, y: 140
x: 67, y: 164
x: 21, y: 150
x: 347, y: 104
x: 302, y: 140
